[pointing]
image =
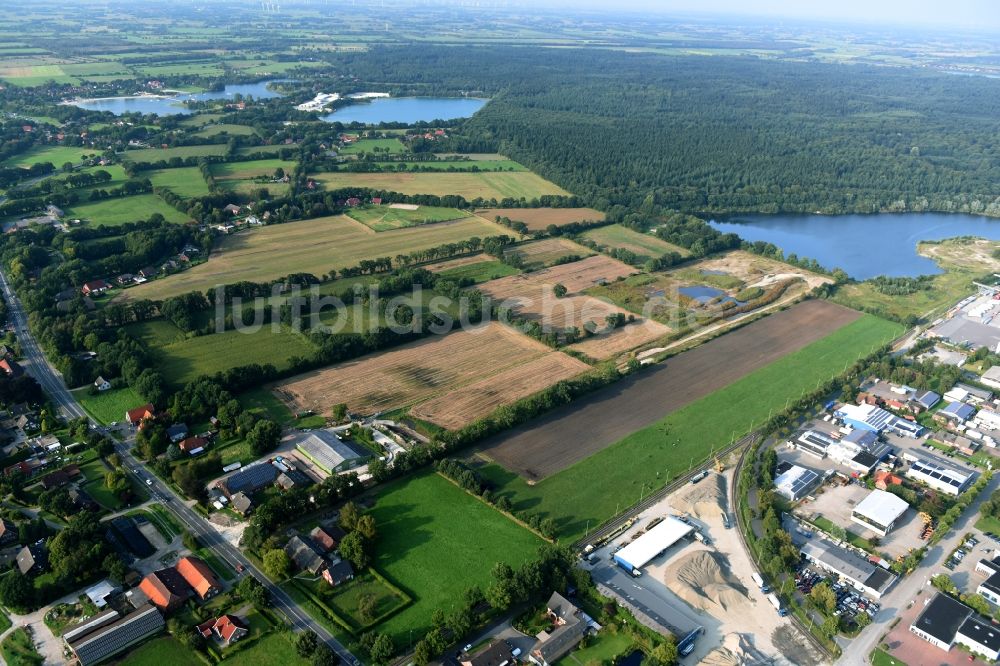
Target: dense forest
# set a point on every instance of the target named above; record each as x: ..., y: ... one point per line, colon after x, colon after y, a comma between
x: 721, y: 134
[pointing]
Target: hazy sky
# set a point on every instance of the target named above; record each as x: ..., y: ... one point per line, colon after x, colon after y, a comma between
x: 970, y: 13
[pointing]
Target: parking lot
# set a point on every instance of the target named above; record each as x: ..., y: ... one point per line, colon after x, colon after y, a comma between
x: 850, y: 603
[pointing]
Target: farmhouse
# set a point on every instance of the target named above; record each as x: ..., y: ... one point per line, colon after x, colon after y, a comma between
x: 794, y: 482
x: 32, y: 560
x: 248, y: 480
x: 96, y: 642
x: 241, y: 503
x: 864, y: 576
x: 326, y: 450
x: 939, y: 476
x: 339, y: 571
x: 327, y: 538
x: 193, y: 445
x: 305, y: 555
x: 571, y: 626
x: 165, y: 589
x: 879, y: 511
x: 197, y: 574
x: 652, y: 544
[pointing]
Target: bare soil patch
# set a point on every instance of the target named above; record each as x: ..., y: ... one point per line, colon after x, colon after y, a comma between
x: 543, y: 253
x: 411, y: 373
x: 755, y: 270
x: 703, y: 580
x: 576, y: 431
x: 462, y: 406
x: 539, y: 219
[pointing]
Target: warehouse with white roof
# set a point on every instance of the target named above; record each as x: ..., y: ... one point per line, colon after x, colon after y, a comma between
x: 652, y: 544
x: 879, y: 511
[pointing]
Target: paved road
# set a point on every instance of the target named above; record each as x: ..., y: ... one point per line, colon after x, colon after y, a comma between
x: 38, y: 367
x: 906, y: 589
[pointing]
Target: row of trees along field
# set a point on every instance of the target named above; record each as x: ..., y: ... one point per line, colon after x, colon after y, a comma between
x: 721, y: 134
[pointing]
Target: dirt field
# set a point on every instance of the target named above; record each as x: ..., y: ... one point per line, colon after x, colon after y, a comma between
x: 487, y: 185
x: 539, y: 219
x: 462, y: 406
x: 574, y: 432
x: 458, y: 263
x: 542, y: 253
x: 530, y: 297
x: 757, y: 271
x: 314, y: 246
x: 414, y: 372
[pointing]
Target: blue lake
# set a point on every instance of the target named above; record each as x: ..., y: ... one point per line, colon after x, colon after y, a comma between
x: 172, y: 106
x: 406, y: 110
x: 862, y: 245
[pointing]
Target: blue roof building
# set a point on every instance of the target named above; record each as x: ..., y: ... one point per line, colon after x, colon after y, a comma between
x: 927, y: 399
x: 956, y: 411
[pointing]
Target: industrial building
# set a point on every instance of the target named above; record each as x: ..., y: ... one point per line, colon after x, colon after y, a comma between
x: 945, y: 621
x: 104, y: 635
x: 652, y: 544
x: 955, y: 414
x: 860, y: 450
x: 814, y: 443
x: 991, y: 377
x: 939, y: 476
x: 879, y: 511
x: 857, y: 571
x: 794, y: 482
x: 329, y: 452
x: 876, y: 420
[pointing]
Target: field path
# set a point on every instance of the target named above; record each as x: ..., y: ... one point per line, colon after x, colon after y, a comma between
x: 578, y: 430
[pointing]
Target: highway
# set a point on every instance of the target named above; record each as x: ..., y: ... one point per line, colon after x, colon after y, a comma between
x: 38, y: 367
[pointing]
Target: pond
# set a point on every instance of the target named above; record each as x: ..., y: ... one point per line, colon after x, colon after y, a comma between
x: 406, y: 110
x: 705, y: 294
x: 171, y: 106
x: 862, y: 245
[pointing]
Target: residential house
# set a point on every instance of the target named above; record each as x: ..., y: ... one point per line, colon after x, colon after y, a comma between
x: 376, y: 201
x: 10, y: 367
x: 94, y: 288
x: 27, y: 422
x: 193, y: 445
x: 197, y: 574
x: 884, y: 479
x: 570, y: 627
x: 125, y: 278
x: 99, y: 638
x: 82, y: 500
x: 149, y: 272
x: 338, y: 572
x: 232, y: 209
x: 226, y: 227
x: 177, y: 432
x: 254, y: 220
x: 60, y: 477
x: 226, y: 628
x: 241, y: 503
x: 102, y: 384
x: 353, y: 201
x: 305, y: 555
x: 954, y: 414
x: 323, y: 539
x: 136, y: 416
x: 166, y: 589
x: 946, y: 621
x: 497, y: 653
x: 32, y: 560
x: 8, y: 532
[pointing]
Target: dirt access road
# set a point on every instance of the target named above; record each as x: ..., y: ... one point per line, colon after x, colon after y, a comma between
x: 578, y: 430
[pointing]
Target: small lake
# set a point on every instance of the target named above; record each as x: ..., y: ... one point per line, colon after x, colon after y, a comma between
x: 406, y: 110
x: 172, y: 106
x: 701, y: 294
x: 863, y: 245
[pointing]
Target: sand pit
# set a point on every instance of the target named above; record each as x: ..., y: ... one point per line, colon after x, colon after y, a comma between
x: 705, y: 500
x: 703, y: 580
x: 736, y: 650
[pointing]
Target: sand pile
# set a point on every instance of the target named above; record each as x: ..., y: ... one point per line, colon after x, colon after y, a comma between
x: 705, y: 500
x: 735, y: 650
x: 702, y: 579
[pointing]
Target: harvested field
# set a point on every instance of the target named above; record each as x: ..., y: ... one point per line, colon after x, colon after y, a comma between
x: 620, y: 340
x: 460, y: 407
x: 702, y: 579
x: 312, y: 246
x: 575, y: 276
x: 544, y: 253
x: 539, y: 219
x: 487, y: 185
x: 413, y: 372
x: 644, y: 246
x: 574, y: 432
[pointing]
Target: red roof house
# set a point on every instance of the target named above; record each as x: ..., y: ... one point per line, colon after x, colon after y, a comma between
x: 95, y: 287
x: 198, y: 576
x: 136, y: 416
x: 228, y: 629
x: 193, y: 445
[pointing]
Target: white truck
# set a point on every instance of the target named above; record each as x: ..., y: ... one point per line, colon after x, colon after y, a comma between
x: 777, y: 604
x: 759, y: 581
